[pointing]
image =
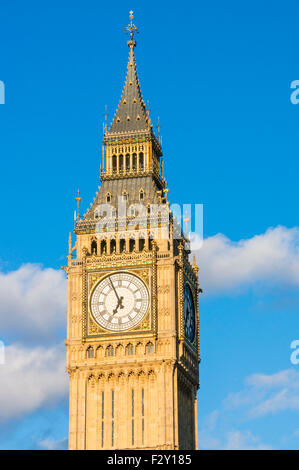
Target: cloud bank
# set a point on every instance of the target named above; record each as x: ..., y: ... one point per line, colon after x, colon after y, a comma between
x: 32, y: 321
x: 271, y: 258
x: 32, y: 303
x: 267, y: 394
x: 31, y: 379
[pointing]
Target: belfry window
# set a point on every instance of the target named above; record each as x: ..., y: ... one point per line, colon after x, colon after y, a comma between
x: 121, y: 162
x: 134, y: 161
x: 141, y: 161
x: 103, y: 247
x: 113, y: 246
x: 132, y: 244
x: 122, y: 245
x: 114, y: 163
x: 127, y: 162
x: 108, y: 198
x: 94, y: 247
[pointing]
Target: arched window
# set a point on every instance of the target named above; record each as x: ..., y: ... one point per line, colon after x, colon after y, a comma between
x: 113, y: 246
x: 149, y: 348
x: 141, y: 161
x: 90, y: 352
x: 130, y: 349
x: 114, y: 163
x: 132, y: 244
x: 122, y: 245
x: 103, y: 247
x: 110, y: 351
x: 127, y: 162
x: 108, y: 198
x: 125, y: 195
x: 134, y: 161
x: 141, y: 244
x: 121, y: 163
x: 94, y: 247
x: 141, y: 194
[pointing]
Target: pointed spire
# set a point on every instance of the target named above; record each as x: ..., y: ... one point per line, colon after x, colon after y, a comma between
x: 131, y: 115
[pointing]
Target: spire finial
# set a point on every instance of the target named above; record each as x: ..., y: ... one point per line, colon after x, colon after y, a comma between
x: 78, y: 199
x: 130, y: 29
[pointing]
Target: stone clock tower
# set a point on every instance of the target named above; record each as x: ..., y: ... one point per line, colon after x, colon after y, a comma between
x: 132, y: 318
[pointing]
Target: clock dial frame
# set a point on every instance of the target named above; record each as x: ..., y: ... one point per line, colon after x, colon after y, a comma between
x: 189, y: 314
x: 119, y: 301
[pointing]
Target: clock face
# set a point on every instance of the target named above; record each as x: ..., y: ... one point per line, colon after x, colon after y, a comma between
x: 189, y: 314
x: 119, y: 302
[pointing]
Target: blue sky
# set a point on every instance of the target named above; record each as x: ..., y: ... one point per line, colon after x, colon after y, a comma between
x: 218, y: 74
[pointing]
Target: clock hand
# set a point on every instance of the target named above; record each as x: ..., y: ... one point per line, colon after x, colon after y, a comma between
x: 119, y: 299
x: 119, y: 304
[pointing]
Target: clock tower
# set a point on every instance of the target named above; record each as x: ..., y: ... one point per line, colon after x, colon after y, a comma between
x: 132, y: 317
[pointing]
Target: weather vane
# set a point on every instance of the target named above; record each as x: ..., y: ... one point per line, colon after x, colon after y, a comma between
x: 131, y: 27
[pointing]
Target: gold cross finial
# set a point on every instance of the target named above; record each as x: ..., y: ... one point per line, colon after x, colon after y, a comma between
x: 78, y: 199
x: 131, y: 27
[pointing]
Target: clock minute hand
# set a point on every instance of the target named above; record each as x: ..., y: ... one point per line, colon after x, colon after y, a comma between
x: 119, y: 299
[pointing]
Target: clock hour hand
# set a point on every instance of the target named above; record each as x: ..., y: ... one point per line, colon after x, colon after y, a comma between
x: 119, y: 299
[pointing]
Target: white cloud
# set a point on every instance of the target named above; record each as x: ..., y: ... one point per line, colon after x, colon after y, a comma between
x: 32, y: 303
x: 267, y: 394
x: 51, y: 444
x: 272, y: 257
x: 208, y: 436
x: 31, y: 379
x: 237, y: 440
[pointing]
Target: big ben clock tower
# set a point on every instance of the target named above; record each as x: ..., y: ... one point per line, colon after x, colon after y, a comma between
x: 132, y: 317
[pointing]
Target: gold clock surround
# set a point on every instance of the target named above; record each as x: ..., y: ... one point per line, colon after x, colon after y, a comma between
x: 93, y: 279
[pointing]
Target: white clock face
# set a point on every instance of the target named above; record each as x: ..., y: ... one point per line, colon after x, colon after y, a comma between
x: 119, y: 302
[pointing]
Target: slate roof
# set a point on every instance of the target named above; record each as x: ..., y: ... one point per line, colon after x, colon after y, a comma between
x: 132, y: 187
x: 131, y: 114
